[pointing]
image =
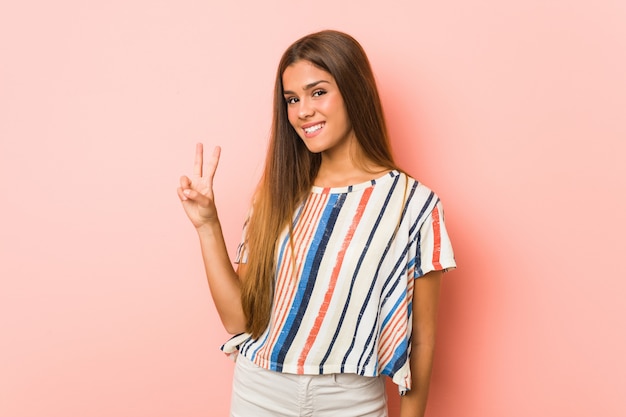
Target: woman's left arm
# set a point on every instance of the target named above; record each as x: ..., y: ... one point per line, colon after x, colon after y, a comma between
x: 425, y: 303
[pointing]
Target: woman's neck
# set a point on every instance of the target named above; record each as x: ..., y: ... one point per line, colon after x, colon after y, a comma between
x: 341, y: 173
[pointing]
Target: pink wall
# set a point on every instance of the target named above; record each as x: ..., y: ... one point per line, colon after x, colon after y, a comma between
x: 513, y: 111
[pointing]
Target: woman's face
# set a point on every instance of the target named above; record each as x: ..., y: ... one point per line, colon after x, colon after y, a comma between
x: 316, y: 109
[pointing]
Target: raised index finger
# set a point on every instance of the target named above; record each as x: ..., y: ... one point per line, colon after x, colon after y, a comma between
x: 198, y: 161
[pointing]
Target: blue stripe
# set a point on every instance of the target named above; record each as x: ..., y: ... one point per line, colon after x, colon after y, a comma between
x: 418, y: 257
x: 367, y: 354
x: 399, y: 358
x: 352, y: 283
x: 307, y: 281
x: 402, y: 258
x: 281, y: 254
x: 391, y: 313
x: 426, y: 209
x: 261, y: 343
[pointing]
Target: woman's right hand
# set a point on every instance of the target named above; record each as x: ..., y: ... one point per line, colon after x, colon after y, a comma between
x: 196, y: 196
x: 196, y: 193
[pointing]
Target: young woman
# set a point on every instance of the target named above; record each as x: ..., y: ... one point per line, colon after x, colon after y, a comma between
x: 340, y: 264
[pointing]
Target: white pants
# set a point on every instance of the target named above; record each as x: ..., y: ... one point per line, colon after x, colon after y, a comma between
x: 258, y: 392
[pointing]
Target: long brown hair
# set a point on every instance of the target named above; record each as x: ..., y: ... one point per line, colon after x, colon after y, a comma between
x: 290, y: 168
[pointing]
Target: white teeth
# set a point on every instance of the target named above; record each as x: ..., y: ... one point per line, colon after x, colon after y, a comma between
x: 314, y: 128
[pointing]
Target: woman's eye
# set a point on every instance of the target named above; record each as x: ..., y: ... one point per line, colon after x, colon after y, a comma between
x: 291, y: 100
x: 318, y: 93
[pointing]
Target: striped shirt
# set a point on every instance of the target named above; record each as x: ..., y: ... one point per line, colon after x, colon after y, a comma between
x: 346, y: 307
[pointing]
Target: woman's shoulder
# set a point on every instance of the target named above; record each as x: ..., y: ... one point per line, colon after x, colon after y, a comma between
x: 410, y: 180
x: 418, y: 194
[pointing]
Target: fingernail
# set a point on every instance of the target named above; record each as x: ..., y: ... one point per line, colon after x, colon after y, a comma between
x: 187, y: 191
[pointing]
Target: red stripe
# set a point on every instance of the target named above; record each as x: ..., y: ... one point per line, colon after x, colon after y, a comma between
x: 333, y: 280
x: 285, y: 284
x: 437, y: 239
x: 396, y: 329
x: 392, y: 333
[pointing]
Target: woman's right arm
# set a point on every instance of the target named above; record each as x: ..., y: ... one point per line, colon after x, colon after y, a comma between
x: 196, y: 196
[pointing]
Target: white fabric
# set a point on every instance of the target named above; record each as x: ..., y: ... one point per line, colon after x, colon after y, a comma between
x: 258, y: 392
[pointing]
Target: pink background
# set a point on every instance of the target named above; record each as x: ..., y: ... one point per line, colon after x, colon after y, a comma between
x: 514, y: 112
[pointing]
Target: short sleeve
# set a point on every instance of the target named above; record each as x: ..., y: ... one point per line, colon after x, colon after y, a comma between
x: 434, y: 249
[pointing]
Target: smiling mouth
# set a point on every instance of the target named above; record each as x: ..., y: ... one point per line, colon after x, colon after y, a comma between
x: 314, y: 128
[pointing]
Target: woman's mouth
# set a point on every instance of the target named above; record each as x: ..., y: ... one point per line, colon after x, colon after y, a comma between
x: 309, y: 130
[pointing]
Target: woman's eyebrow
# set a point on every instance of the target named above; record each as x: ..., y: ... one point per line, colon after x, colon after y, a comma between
x: 308, y: 86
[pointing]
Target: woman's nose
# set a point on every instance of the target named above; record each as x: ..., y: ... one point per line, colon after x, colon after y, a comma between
x: 306, y: 109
